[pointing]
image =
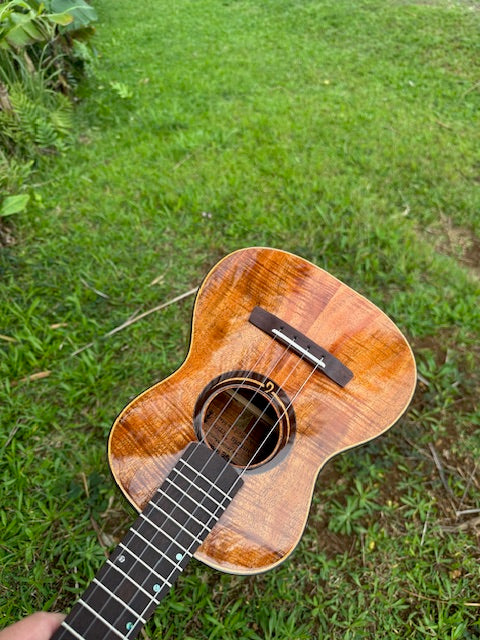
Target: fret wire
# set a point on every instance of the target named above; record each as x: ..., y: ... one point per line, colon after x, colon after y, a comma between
x: 105, y: 622
x: 134, y: 582
x: 157, y: 575
x: 72, y: 631
x: 194, y: 537
x: 162, y: 492
x: 195, y: 486
x: 211, y: 484
x: 199, y: 473
x: 190, y: 515
x: 107, y: 590
x: 136, y: 532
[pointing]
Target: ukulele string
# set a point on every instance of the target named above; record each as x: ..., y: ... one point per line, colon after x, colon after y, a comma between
x: 252, y: 428
x: 250, y: 402
x: 286, y: 349
x: 241, y: 386
x: 272, y: 430
x: 297, y: 393
x: 192, y: 483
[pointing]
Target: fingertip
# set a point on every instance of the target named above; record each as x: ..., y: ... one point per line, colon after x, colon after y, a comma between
x: 44, y: 621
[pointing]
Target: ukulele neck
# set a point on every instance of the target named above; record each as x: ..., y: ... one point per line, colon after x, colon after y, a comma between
x: 157, y: 547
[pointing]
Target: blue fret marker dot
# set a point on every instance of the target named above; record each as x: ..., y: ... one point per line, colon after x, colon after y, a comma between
x: 156, y: 587
x: 129, y: 625
x: 179, y: 556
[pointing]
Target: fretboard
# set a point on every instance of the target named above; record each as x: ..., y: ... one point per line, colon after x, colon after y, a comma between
x: 158, y: 546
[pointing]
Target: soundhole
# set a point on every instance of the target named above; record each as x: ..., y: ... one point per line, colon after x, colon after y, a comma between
x: 245, y: 417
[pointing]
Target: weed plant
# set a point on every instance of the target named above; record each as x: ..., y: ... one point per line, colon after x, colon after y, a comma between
x: 346, y: 132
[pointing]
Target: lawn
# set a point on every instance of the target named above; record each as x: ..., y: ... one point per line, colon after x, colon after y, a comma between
x: 346, y: 132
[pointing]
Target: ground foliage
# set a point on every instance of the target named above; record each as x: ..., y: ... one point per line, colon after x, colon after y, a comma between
x: 43, y: 55
x: 343, y: 131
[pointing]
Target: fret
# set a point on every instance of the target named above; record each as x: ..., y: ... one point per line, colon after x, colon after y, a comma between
x: 102, y: 620
x: 123, y: 612
x: 180, y: 539
x: 143, y: 584
x: 181, y: 497
x: 200, y: 474
x: 181, y: 521
x: 205, y: 493
x: 182, y: 529
x: 152, y: 571
x: 206, y: 477
x: 128, y: 577
x: 197, y: 496
x: 137, y: 533
x: 112, y: 595
x: 178, y: 506
x: 72, y: 631
x: 158, y: 546
x: 139, y: 587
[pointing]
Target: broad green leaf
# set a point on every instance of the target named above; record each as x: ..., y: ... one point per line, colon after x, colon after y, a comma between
x: 23, y: 35
x: 61, y: 18
x: 83, y: 13
x: 14, y: 204
x: 24, y: 29
x: 6, y: 10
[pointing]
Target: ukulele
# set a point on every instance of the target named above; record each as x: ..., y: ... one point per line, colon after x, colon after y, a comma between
x: 287, y: 367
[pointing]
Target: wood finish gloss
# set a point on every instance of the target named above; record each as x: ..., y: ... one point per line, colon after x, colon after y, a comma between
x: 265, y: 521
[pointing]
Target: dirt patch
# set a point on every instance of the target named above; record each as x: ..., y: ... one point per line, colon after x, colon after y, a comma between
x: 442, y: 345
x: 438, y: 343
x: 457, y: 242
x: 326, y: 540
x: 472, y: 255
x: 6, y: 236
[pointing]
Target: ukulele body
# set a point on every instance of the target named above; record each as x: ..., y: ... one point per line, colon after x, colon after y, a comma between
x: 236, y: 373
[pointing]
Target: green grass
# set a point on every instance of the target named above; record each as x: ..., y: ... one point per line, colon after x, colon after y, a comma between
x: 346, y: 132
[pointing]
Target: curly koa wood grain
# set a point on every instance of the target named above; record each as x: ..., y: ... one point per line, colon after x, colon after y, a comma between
x: 266, y: 519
